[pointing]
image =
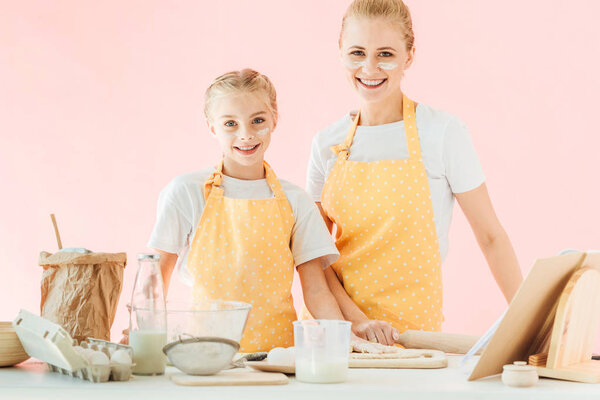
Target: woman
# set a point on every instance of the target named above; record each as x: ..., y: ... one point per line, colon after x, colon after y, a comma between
x: 239, y: 230
x: 386, y: 177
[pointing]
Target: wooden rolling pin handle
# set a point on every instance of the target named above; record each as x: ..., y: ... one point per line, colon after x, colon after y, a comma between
x: 446, y: 342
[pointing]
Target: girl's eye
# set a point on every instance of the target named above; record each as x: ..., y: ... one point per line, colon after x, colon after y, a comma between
x: 258, y: 120
x: 385, y: 54
x: 230, y: 123
x: 358, y: 53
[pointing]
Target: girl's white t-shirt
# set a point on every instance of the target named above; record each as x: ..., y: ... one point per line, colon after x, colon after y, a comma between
x: 447, y: 150
x: 181, y: 202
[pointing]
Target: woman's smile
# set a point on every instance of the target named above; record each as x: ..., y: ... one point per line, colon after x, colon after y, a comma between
x: 371, y: 83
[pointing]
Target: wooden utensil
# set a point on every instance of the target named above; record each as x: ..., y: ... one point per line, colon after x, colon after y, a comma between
x: 231, y: 377
x: 446, y: 342
x: 56, y: 233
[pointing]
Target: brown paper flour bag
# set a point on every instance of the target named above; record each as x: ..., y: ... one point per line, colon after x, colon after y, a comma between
x: 80, y: 292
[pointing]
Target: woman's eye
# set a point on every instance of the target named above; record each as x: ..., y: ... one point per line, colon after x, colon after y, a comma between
x: 385, y: 54
x: 230, y: 123
x: 357, y: 53
x: 258, y: 120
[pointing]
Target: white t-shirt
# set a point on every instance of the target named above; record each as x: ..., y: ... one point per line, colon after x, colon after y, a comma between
x: 181, y: 202
x: 446, y: 148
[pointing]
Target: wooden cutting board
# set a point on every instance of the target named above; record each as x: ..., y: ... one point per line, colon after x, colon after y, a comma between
x: 234, y: 377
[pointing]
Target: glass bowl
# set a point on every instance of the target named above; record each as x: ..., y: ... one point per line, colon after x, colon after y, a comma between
x: 211, y: 318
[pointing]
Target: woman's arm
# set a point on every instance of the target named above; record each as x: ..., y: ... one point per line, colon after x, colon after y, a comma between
x: 362, y: 326
x: 492, y: 239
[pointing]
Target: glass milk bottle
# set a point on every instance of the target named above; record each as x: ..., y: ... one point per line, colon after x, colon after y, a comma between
x: 148, y: 318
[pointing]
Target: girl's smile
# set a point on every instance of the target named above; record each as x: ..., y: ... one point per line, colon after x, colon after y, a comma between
x: 248, y: 149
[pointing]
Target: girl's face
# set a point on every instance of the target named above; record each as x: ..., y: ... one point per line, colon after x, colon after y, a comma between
x: 375, y: 57
x: 242, y: 123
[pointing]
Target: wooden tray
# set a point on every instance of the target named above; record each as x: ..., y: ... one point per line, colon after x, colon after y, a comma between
x: 410, y: 358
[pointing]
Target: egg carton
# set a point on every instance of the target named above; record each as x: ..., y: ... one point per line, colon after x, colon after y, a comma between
x: 50, y: 343
x: 99, y: 373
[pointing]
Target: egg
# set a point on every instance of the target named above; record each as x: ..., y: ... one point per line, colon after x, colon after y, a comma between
x: 282, y: 356
x: 122, y: 357
x: 98, y: 358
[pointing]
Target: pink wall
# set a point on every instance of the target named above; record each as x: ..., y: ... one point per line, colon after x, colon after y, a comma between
x: 101, y: 105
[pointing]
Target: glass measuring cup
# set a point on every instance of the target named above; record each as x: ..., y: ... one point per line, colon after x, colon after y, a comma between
x: 322, y: 350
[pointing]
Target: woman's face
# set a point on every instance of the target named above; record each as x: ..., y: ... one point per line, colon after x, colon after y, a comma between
x: 242, y: 123
x: 375, y: 57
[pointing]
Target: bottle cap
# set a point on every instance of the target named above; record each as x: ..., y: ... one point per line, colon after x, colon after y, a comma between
x: 148, y: 257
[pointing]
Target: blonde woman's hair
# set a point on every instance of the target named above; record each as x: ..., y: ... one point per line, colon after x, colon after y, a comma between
x: 393, y: 10
x: 244, y: 81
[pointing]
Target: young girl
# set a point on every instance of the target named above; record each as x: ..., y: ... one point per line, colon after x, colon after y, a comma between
x: 387, y: 176
x: 238, y: 229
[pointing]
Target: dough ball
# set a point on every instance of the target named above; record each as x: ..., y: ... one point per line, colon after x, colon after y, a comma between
x: 281, y: 356
x: 122, y: 357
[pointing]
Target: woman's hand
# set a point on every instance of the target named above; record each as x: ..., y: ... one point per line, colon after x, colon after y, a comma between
x: 375, y: 331
x: 362, y: 346
x: 125, y: 338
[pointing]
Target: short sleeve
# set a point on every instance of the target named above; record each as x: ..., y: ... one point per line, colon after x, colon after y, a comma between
x: 462, y: 167
x: 310, y: 237
x: 173, y: 226
x: 316, y: 172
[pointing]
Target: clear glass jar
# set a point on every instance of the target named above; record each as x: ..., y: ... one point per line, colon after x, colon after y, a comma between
x: 148, y: 318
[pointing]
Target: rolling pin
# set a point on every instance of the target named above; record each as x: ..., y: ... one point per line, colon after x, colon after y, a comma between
x: 446, y: 342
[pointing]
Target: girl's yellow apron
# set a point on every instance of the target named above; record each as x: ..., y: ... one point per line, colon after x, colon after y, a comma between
x: 390, y: 262
x: 241, y: 251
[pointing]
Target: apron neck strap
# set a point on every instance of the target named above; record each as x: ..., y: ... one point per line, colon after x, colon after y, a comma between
x: 342, y: 150
x: 216, y: 180
x: 273, y: 182
x: 410, y: 128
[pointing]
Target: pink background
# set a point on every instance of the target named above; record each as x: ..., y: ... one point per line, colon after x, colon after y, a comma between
x: 101, y: 105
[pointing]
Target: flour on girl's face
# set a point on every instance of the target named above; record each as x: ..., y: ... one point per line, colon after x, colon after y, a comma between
x: 263, y: 132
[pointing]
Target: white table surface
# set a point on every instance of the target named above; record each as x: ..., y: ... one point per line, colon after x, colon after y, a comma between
x: 32, y: 380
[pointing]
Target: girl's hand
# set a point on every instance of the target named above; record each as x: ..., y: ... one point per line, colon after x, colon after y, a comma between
x: 362, y: 346
x: 375, y: 331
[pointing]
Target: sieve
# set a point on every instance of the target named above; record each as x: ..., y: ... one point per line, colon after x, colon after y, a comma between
x: 201, y: 355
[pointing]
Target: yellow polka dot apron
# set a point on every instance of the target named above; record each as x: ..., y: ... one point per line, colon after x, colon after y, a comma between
x: 241, y: 251
x: 390, y: 263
